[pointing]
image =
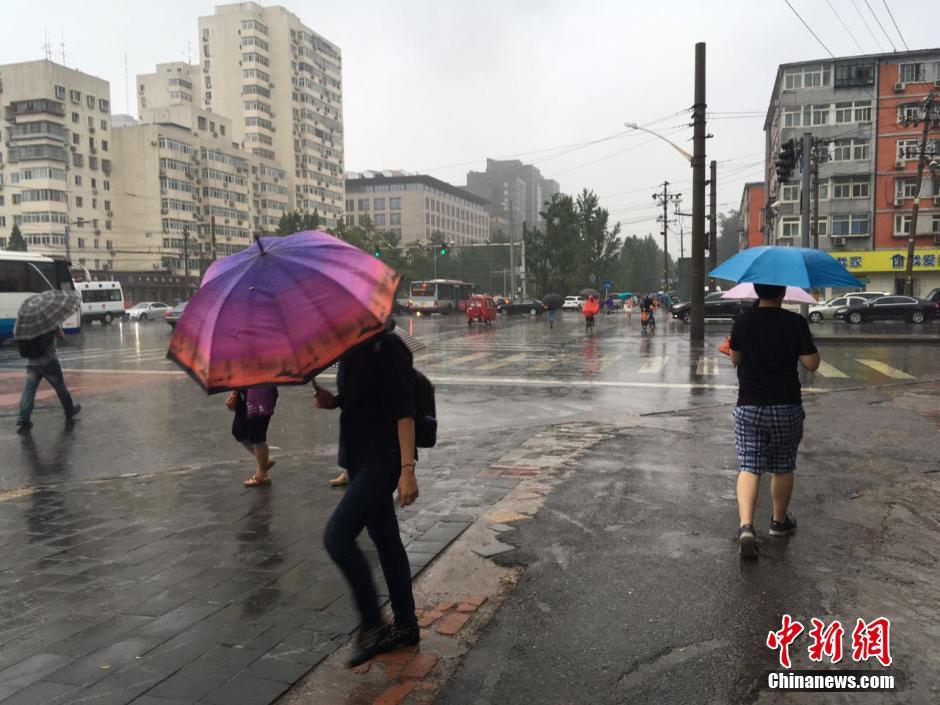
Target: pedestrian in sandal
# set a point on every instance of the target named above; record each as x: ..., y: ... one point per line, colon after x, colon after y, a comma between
x: 253, y: 409
x: 377, y: 449
x: 766, y: 343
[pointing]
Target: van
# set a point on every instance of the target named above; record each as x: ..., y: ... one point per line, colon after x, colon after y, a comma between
x: 101, y: 301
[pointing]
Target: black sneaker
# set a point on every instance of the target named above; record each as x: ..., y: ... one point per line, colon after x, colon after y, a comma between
x: 23, y: 428
x: 381, y: 640
x: 76, y: 408
x: 783, y: 528
x: 747, y: 541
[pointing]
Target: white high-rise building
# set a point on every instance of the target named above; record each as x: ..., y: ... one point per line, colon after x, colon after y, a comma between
x: 281, y: 84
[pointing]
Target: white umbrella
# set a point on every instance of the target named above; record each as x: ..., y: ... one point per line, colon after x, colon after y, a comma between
x: 794, y: 295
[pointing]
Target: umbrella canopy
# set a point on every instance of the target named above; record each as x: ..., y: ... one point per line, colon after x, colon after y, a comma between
x: 43, y: 313
x: 281, y: 311
x: 589, y: 292
x: 625, y: 295
x: 553, y: 301
x: 745, y: 290
x: 787, y: 266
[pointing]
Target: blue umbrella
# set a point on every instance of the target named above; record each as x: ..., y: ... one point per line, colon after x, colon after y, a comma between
x: 787, y: 266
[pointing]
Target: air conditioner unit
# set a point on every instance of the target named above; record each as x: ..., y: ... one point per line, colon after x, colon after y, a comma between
x: 899, y: 164
x: 898, y: 87
x: 936, y: 200
x: 936, y: 83
x: 838, y: 242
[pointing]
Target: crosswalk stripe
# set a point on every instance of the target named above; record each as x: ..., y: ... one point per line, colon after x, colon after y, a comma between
x: 827, y: 370
x: 605, y: 362
x: 504, y: 362
x: 707, y: 366
x: 654, y: 365
x: 884, y: 369
x: 547, y: 365
x: 463, y: 359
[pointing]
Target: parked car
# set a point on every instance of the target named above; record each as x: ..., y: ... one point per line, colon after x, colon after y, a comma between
x: 933, y: 296
x: 889, y: 308
x: 101, y: 301
x: 531, y: 306
x: 715, y: 307
x: 146, y: 310
x: 828, y: 308
x: 869, y: 295
x: 573, y: 303
x: 173, y: 315
x: 481, y: 309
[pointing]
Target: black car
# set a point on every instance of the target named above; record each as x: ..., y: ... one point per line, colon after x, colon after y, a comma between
x: 533, y: 307
x: 715, y: 307
x: 889, y: 308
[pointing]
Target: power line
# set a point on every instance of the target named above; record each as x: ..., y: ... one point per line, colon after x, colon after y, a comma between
x: 887, y: 36
x: 867, y: 26
x: 894, y: 22
x: 809, y: 28
x: 844, y: 25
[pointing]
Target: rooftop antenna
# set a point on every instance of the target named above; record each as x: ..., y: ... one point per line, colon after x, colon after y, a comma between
x: 47, y: 46
x: 127, y: 89
x: 62, y: 47
x: 189, y: 52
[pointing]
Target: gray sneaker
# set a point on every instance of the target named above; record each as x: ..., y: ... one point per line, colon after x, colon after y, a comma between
x: 747, y: 541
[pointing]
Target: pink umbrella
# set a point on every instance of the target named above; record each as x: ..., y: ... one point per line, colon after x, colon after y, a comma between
x: 745, y: 290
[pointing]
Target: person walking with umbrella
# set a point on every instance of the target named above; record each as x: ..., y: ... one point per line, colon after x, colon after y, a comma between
x: 552, y: 302
x: 767, y: 343
x: 38, y: 327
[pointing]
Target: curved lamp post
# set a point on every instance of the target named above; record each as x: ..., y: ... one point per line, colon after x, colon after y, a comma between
x: 634, y: 126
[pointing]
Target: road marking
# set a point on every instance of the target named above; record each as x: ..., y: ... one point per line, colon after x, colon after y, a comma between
x: 512, y: 359
x: 827, y: 370
x: 549, y: 364
x: 654, y: 365
x: 529, y: 382
x: 884, y: 369
x: 605, y: 362
x: 463, y: 359
x: 707, y: 366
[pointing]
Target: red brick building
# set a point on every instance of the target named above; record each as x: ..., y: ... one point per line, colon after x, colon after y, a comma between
x: 751, y: 216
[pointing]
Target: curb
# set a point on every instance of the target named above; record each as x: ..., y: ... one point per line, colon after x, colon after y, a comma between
x: 906, y: 340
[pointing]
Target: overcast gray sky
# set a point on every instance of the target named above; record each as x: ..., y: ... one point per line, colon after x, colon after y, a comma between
x: 436, y: 86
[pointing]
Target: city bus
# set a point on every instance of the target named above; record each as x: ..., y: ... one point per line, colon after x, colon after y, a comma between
x: 439, y: 296
x: 23, y: 274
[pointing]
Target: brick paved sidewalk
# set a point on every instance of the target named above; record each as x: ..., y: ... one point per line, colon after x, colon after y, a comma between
x: 183, y: 587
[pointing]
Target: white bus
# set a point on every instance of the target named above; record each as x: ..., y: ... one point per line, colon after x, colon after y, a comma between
x: 23, y: 274
x: 101, y: 301
x: 439, y: 296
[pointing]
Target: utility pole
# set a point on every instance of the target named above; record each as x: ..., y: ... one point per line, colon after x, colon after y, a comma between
x: 186, y: 258
x: 525, y: 290
x: 512, y: 251
x: 921, y: 163
x: 817, y: 157
x: 665, y: 198
x: 215, y: 253
x: 697, y: 324
x: 805, y: 183
x: 712, y: 222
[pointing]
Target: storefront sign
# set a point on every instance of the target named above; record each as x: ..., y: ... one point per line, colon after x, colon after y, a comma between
x: 889, y: 260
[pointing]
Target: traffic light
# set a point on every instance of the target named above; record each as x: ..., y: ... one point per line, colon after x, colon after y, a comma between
x: 377, y: 252
x: 786, y: 161
x: 443, y: 250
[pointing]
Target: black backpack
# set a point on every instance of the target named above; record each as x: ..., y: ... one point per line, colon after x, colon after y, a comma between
x: 425, y: 412
x: 35, y: 347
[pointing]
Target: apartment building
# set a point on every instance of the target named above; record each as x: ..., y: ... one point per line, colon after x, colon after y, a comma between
x: 516, y: 192
x: 869, y: 110
x: 56, y: 168
x: 751, y: 216
x: 414, y: 206
x: 173, y: 83
x: 281, y: 84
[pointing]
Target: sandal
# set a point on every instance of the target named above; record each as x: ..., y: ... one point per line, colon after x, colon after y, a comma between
x: 255, y: 481
x: 340, y: 480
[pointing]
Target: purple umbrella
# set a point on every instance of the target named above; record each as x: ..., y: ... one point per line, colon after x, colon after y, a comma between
x: 281, y: 311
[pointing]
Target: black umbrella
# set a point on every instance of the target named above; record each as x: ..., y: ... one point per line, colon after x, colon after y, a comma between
x: 553, y: 301
x: 589, y: 292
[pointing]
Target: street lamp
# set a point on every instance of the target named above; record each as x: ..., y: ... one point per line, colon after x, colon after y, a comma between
x: 634, y: 126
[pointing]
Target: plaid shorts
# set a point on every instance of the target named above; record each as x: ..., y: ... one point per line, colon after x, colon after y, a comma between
x: 767, y: 437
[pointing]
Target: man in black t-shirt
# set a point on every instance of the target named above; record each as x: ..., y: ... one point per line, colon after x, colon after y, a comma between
x: 766, y: 343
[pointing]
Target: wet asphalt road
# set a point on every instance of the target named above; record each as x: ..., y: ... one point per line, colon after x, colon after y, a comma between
x: 130, y: 536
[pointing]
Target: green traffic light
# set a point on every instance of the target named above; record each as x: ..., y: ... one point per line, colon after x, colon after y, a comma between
x: 378, y: 252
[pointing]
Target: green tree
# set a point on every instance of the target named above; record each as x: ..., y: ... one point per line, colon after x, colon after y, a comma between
x: 17, y: 242
x: 553, y: 255
x: 728, y: 242
x: 600, y: 244
x: 641, y: 265
x: 297, y: 221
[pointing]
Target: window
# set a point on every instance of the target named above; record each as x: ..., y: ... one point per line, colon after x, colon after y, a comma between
x: 910, y: 112
x: 790, y: 227
x: 60, y: 92
x: 75, y: 96
x: 79, y: 201
x: 905, y: 188
x: 350, y: 204
x: 861, y: 149
x: 379, y: 204
x: 815, y: 115
x: 363, y: 204
x: 908, y: 149
x: 849, y: 75
x: 822, y: 226
x: 395, y: 219
x: 863, y: 111
x: 902, y: 224
x: 792, y: 117
x: 845, y: 150
x: 81, y: 243
x: 913, y: 73
x: 823, y: 190
x: 75, y: 118
x: 394, y: 204
x: 107, y: 185
x: 790, y: 193
x: 849, y: 225
x: 107, y: 205
x: 843, y: 113
x: 934, y: 224
x: 807, y: 77
x: 76, y: 138
x: 850, y: 188
x: 379, y: 218
x: 104, y: 125
x: 78, y: 179
x: 90, y: 101
x: 104, y: 145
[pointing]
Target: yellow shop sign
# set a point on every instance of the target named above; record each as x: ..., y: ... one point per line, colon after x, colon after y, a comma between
x: 889, y: 260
